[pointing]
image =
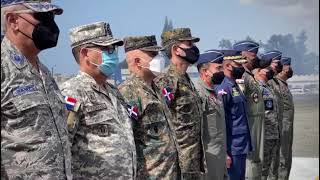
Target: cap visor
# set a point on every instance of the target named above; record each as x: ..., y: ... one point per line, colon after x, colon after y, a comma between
x: 107, y: 42
x: 241, y: 61
x: 152, y: 48
x: 193, y: 39
x: 44, y: 7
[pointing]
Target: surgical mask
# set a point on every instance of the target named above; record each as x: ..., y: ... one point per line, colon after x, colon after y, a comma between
x: 44, y: 35
x: 157, y: 64
x: 217, y: 77
x: 192, y: 54
x: 109, y: 62
x: 237, y: 72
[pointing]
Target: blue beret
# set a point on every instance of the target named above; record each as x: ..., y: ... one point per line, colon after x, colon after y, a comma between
x: 272, y: 55
x: 286, y: 61
x: 212, y: 56
x: 250, y: 46
x: 34, y: 5
x: 233, y: 55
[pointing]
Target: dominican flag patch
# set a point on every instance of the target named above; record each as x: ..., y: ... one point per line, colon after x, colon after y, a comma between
x: 71, y: 103
x: 222, y: 92
x: 133, y: 112
x: 167, y: 94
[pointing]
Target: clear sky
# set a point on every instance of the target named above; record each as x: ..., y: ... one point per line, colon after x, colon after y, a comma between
x: 211, y: 20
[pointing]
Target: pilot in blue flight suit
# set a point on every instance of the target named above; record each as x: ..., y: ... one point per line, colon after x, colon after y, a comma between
x: 235, y: 107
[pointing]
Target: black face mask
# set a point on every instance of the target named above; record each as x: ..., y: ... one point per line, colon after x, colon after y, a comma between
x: 290, y: 73
x: 255, y: 63
x: 217, y: 77
x: 270, y: 73
x: 279, y: 67
x: 192, y: 54
x: 237, y: 72
x: 45, y: 34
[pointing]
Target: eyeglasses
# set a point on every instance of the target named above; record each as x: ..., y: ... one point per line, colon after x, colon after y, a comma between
x: 40, y: 16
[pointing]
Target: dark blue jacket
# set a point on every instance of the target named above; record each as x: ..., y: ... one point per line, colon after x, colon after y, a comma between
x: 235, y: 107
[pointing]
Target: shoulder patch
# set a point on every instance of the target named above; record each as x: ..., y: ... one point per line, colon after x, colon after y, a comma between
x: 18, y: 59
x: 72, y: 104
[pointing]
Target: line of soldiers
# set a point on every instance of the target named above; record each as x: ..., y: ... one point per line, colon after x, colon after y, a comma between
x: 236, y: 121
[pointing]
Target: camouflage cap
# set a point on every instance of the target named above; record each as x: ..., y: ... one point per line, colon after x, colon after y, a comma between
x: 145, y: 43
x: 34, y: 5
x: 178, y: 34
x: 98, y: 33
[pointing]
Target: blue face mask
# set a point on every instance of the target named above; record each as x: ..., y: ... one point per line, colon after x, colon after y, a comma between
x: 109, y: 62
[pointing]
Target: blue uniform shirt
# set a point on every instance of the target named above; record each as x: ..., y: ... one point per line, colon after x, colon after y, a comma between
x: 235, y: 106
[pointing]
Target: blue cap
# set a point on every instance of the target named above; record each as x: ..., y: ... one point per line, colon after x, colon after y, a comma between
x: 34, y: 5
x: 271, y: 55
x: 212, y: 56
x: 246, y: 45
x: 286, y: 61
x: 233, y: 55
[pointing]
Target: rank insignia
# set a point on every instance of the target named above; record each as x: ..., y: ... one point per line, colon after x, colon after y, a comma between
x: 255, y: 97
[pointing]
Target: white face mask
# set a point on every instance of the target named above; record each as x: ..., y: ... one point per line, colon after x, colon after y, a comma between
x: 157, y: 64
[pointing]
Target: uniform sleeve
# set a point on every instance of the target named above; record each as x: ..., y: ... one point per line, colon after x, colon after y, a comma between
x: 73, y: 117
x: 166, y: 89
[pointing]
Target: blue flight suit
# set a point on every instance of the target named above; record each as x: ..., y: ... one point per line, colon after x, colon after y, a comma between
x: 237, y: 128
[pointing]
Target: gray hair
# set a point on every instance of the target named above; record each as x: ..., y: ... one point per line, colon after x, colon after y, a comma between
x: 4, y: 11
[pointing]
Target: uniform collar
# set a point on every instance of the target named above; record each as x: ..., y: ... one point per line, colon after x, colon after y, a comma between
x: 204, y: 85
x: 229, y: 80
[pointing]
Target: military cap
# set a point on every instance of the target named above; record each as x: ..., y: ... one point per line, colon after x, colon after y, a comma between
x: 250, y: 46
x: 286, y: 61
x: 271, y: 55
x: 145, y: 43
x: 176, y: 35
x: 34, y: 5
x: 212, y: 56
x: 233, y: 55
x: 98, y: 33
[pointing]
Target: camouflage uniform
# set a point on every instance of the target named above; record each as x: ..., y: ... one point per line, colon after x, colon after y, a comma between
x: 100, y: 129
x: 155, y: 140
x: 256, y: 111
x: 275, y: 85
x: 272, y: 130
x: 34, y: 136
x: 184, y: 103
x: 214, y: 132
x: 287, y: 131
x: 185, y: 106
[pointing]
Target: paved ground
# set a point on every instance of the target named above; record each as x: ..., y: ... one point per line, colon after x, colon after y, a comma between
x: 306, y: 126
x: 305, y: 169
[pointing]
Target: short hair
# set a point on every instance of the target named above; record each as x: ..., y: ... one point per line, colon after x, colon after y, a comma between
x: 76, y: 51
x: 168, y: 48
x: 202, y: 66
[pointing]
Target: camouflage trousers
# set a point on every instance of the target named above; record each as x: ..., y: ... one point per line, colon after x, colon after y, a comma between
x: 270, y: 164
x: 192, y: 176
x: 286, y: 151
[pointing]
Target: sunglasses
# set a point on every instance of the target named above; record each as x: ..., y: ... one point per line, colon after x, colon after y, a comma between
x: 40, y: 16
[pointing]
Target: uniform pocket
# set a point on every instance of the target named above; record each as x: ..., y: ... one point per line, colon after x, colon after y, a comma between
x: 29, y: 101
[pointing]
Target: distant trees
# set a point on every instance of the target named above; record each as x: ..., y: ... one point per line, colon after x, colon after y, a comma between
x: 303, y: 62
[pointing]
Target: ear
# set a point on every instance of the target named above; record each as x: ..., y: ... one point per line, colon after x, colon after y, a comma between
x: 83, y: 52
x: 12, y: 20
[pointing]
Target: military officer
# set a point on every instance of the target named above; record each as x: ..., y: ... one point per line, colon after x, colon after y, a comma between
x: 236, y: 114
x: 157, y: 154
x: 287, y: 121
x: 255, y: 105
x: 183, y: 100
x: 99, y: 126
x: 271, y: 136
x: 34, y: 136
x: 275, y: 57
x: 214, y: 132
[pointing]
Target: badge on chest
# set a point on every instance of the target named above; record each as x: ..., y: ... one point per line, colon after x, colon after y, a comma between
x: 268, y: 104
x: 235, y: 92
